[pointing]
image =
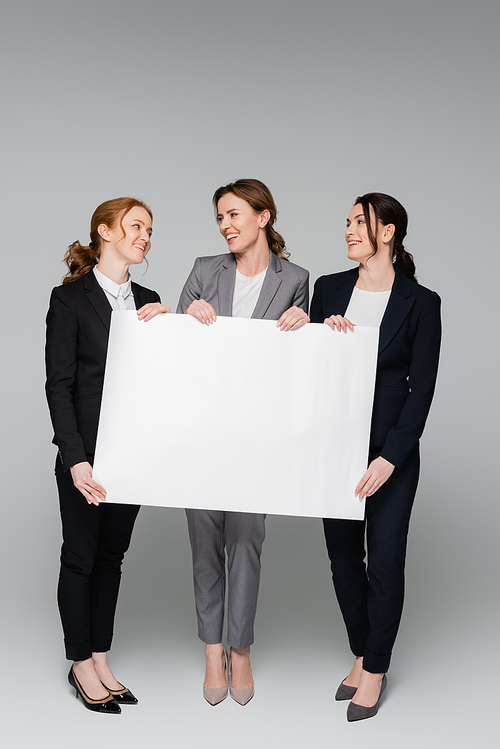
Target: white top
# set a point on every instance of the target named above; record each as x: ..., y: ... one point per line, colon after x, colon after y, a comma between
x: 120, y: 296
x: 366, y: 308
x: 246, y: 292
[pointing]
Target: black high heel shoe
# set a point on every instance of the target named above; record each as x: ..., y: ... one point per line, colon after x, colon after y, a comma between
x: 107, y: 705
x: 123, y: 696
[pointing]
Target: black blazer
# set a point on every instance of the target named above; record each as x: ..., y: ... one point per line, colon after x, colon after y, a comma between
x: 78, y: 323
x: 408, y: 354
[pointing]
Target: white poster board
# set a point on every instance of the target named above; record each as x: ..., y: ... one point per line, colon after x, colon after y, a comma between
x: 236, y: 416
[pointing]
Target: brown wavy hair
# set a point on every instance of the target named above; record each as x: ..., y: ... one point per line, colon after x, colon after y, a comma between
x: 388, y: 210
x: 80, y: 258
x: 259, y: 196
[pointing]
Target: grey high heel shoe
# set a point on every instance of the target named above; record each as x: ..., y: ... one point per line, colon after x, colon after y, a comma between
x: 241, y: 696
x: 215, y: 695
x: 344, y: 692
x: 359, y: 712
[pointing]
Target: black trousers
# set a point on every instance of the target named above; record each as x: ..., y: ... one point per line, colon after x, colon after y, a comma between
x: 95, y: 540
x: 371, y: 595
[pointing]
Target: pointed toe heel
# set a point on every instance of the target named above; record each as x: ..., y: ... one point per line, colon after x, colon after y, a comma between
x: 123, y: 696
x: 216, y: 696
x: 107, y: 705
x: 359, y: 712
x: 344, y: 692
x: 241, y: 696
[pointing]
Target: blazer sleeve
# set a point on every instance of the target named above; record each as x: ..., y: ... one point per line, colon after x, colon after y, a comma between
x: 301, y: 296
x: 60, y: 361
x: 405, y: 434
x: 192, y: 288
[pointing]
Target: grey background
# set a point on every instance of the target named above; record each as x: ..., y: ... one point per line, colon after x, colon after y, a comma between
x: 322, y: 101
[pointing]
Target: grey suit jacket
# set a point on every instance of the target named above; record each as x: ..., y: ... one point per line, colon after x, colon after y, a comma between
x: 213, y: 278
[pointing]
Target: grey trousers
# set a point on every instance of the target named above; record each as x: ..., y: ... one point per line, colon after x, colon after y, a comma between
x: 242, y: 535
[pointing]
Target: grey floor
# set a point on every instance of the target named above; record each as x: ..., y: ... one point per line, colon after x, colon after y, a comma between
x: 434, y: 697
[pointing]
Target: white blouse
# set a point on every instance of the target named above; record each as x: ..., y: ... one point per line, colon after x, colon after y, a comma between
x: 246, y: 293
x: 366, y: 308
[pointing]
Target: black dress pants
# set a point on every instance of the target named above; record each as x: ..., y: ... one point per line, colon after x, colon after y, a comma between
x: 371, y: 596
x: 95, y: 540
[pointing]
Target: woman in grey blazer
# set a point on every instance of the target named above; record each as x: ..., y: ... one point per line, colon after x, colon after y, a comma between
x: 255, y: 279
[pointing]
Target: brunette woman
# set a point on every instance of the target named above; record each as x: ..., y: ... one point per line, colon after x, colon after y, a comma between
x: 381, y: 292
x: 254, y: 279
x: 95, y: 535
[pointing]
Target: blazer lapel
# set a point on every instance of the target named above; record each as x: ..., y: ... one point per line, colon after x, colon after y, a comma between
x: 97, y: 298
x: 225, y: 286
x: 272, y: 282
x: 400, y: 303
x: 343, y: 290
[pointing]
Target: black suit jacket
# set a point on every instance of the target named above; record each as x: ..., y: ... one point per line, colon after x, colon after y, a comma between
x: 408, y: 354
x: 78, y: 323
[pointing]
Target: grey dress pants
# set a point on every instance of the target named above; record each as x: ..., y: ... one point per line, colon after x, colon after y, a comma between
x: 241, y: 534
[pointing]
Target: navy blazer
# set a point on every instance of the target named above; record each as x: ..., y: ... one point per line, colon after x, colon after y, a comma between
x: 408, y: 354
x: 78, y: 324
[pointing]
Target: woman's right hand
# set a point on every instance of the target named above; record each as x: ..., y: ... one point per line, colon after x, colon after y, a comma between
x: 337, y: 322
x: 148, y: 311
x: 81, y: 473
x: 202, y: 310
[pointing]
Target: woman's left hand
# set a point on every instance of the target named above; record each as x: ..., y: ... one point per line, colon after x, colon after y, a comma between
x: 374, y: 477
x: 292, y: 319
x: 150, y: 310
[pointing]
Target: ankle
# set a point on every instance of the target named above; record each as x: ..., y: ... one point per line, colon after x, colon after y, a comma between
x: 83, y: 666
x: 369, y: 676
x: 214, y: 651
x: 243, y: 653
x: 99, y: 659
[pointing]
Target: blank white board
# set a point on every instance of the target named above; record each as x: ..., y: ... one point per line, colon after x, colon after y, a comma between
x: 236, y: 416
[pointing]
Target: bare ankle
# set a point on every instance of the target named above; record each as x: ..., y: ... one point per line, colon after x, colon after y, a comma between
x: 85, y: 665
x: 242, y: 652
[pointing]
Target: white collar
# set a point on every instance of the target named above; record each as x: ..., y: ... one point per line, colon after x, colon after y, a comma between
x: 111, y: 287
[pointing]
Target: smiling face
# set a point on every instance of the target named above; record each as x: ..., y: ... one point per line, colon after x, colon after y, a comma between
x: 242, y: 227
x: 359, y: 247
x: 130, y: 239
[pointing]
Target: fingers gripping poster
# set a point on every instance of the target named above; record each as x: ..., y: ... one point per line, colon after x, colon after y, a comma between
x: 236, y: 415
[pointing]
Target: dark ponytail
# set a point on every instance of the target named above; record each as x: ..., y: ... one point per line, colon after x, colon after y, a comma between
x: 404, y: 261
x: 388, y: 210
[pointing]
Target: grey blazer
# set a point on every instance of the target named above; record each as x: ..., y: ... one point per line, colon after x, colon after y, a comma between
x: 213, y: 278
